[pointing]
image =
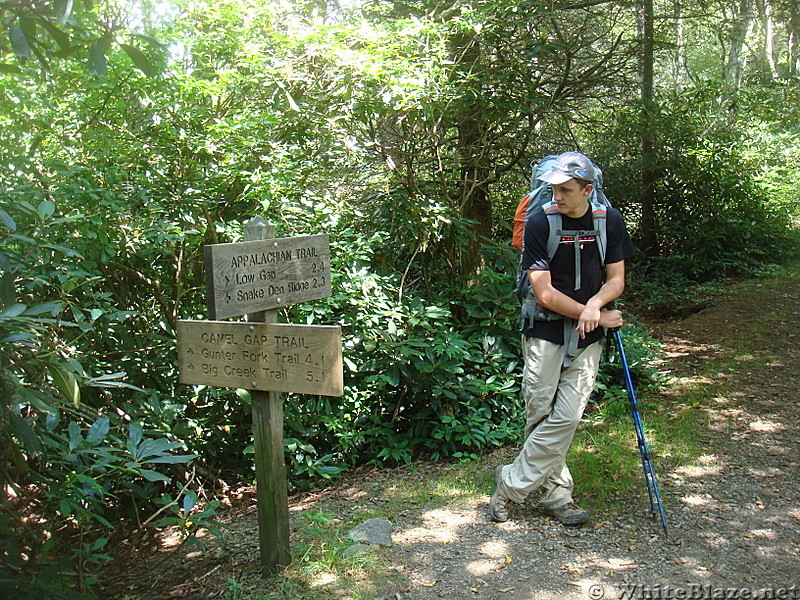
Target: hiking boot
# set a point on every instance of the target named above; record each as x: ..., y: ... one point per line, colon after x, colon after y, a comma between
x: 499, y: 504
x: 570, y: 514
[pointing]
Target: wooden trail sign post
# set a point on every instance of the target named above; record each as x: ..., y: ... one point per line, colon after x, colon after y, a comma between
x: 255, y: 277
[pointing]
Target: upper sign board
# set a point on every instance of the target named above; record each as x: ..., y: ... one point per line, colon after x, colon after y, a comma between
x: 248, y: 277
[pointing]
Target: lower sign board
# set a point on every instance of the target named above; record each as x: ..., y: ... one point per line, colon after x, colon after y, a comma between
x: 276, y: 357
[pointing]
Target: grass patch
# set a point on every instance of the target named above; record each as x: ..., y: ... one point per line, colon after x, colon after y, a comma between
x: 320, y: 569
x: 442, y: 483
x: 604, y: 457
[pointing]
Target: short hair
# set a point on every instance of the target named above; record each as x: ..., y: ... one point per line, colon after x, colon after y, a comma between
x: 583, y: 182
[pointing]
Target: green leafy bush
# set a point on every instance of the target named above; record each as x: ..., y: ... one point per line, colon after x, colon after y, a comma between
x: 422, y: 378
x: 78, y: 469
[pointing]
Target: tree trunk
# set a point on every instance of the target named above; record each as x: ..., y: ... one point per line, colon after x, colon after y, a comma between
x: 794, y: 38
x: 733, y: 68
x: 679, y: 56
x: 475, y: 203
x: 474, y: 198
x: 647, y: 224
x: 765, y: 14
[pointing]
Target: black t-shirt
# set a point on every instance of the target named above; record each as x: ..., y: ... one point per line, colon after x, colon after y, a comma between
x: 562, y: 267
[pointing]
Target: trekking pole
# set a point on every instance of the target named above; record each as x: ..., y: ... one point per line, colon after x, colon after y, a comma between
x: 644, y: 452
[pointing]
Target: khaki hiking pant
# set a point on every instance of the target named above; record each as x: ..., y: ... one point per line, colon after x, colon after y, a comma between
x: 555, y: 397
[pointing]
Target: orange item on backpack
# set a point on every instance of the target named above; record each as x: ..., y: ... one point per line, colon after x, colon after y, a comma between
x: 519, y: 222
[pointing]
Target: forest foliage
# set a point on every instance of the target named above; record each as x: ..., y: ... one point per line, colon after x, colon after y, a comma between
x: 136, y: 132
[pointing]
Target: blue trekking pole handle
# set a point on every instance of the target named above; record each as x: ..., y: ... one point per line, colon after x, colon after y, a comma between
x: 644, y: 451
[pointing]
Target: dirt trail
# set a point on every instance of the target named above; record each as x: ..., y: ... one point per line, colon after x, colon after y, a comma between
x: 734, y: 515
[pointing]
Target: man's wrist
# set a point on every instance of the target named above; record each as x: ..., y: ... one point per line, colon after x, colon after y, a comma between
x: 593, y: 304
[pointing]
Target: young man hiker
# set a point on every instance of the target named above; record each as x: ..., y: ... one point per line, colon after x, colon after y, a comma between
x: 555, y: 387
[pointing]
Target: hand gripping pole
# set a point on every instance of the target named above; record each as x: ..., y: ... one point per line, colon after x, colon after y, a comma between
x: 644, y: 452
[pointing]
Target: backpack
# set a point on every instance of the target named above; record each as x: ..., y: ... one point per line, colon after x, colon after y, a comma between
x: 541, y: 198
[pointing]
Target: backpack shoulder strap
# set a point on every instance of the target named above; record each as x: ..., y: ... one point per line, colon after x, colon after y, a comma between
x: 554, y: 223
x: 599, y: 217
